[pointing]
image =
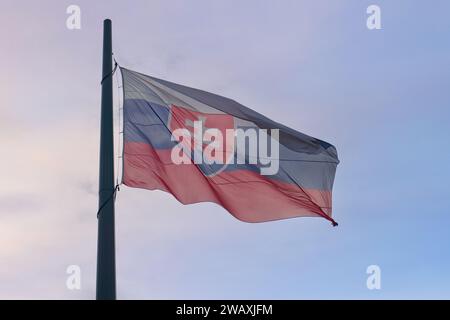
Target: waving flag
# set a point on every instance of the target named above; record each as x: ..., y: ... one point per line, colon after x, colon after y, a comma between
x: 200, y: 147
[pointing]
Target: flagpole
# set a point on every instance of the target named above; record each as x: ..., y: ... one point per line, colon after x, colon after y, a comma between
x: 106, y: 261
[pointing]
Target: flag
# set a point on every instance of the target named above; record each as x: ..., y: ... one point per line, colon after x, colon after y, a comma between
x: 202, y: 147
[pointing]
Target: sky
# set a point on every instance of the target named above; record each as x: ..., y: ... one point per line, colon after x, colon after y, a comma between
x: 380, y: 96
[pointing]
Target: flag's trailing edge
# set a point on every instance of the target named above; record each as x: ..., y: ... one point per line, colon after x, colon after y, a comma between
x: 154, y: 108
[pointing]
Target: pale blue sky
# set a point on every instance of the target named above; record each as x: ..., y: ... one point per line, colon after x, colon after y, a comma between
x: 381, y: 97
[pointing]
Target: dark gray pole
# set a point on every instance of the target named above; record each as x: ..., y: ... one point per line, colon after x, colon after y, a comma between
x: 106, y: 260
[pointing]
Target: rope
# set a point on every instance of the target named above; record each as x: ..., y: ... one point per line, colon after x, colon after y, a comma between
x: 112, y: 196
x: 118, y: 144
x: 117, y: 187
x: 111, y: 73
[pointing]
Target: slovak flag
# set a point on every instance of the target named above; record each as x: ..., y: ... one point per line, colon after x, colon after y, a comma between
x: 201, y: 147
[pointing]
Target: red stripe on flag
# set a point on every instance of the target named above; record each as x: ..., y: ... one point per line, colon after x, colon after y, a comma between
x: 247, y: 195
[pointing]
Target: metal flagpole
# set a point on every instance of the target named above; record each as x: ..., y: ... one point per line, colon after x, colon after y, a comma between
x: 106, y: 261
